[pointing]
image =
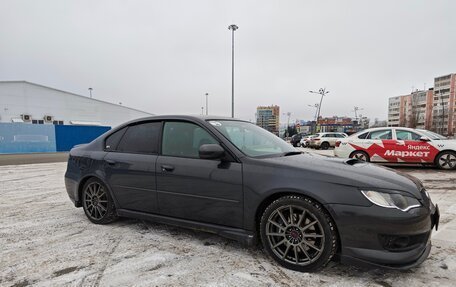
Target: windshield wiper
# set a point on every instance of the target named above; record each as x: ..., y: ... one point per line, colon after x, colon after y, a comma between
x: 291, y: 153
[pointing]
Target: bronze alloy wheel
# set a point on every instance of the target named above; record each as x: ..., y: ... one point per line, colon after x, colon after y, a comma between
x: 298, y: 233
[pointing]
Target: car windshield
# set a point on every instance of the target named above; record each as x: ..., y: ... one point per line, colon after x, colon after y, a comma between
x: 432, y: 135
x: 253, y: 140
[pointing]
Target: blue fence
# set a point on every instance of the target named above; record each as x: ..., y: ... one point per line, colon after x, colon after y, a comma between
x: 68, y: 136
x: 29, y: 138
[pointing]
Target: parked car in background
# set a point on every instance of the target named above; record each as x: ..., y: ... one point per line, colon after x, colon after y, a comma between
x: 305, y: 141
x: 326, y: 140
x: 296, y: 139
x: 399, y: 145
x: 238, y: 180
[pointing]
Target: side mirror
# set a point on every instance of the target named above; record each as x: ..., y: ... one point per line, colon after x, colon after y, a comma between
x: 424, y: 139
x: 211, y: 151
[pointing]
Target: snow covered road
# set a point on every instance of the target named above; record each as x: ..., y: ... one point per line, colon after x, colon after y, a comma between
x: 46, y: 241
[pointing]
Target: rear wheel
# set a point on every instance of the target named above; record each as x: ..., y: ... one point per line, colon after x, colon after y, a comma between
x: 97, y: 202
x: 446, y: 160
x: 325, y: 145
x: 361, y: 155
x: 298, y: 233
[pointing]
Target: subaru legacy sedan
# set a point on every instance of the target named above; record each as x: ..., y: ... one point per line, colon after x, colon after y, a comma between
x: 236, y: 179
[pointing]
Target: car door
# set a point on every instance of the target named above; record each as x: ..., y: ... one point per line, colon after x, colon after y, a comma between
x: 197, y: 189
x: 130, y: 166
x: 412, y: 149
x: 379, y: 144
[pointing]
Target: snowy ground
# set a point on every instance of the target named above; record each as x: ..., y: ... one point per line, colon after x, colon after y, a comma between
x: 45, y: 241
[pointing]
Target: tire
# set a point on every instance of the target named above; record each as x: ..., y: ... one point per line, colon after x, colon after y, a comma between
x: 97, y: 202
x: 361, y: 155
x: 324, y: 145
x: 446, y: 160
x: 284, y: 236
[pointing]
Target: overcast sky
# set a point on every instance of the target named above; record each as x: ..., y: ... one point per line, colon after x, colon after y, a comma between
x: 163, y: 56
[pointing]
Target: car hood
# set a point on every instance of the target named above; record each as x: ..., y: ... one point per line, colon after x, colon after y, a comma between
x: 350, y: 172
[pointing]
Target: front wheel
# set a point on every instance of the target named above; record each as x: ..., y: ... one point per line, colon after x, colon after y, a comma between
x: 97, y: 202
x: 360, y: 155
x: 298, y: 233
x: 446, y: 160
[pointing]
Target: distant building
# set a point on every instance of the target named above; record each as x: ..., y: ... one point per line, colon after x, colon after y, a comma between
x: 433, y: 109
x: 413, y: 110
x: 268, y: 118
x: 29, y: 103
x: 336, y: 124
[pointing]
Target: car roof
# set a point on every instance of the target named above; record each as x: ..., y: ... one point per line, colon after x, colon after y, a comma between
x: 383, y: 128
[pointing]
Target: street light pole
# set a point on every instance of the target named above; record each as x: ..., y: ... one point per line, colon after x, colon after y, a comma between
x: 207, y: 107
x: 322, y: 92
x: 90, y: 91
x: 316, y: 110
x: 233, y: 28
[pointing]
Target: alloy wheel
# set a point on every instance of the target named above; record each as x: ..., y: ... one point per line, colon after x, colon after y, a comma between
x: 295, y: 235
x: 95, y: 201
x: 360, y: 156
x: 447, y: 161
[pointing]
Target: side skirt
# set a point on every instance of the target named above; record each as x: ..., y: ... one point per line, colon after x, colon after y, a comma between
x: 245, y: 237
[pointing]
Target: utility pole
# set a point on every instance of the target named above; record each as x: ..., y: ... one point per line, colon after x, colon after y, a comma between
x: 323, y: 93
x: 233, y: 28
x: 316, y: 110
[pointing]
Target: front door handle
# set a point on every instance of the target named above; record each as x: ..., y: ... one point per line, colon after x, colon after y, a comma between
x: 166, y: 167
x: 110, y: 162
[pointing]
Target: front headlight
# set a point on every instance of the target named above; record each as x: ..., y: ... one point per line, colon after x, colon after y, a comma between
x: 391, y: 200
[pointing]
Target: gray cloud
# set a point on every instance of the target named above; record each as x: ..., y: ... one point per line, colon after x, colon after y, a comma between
x: 163, y: 56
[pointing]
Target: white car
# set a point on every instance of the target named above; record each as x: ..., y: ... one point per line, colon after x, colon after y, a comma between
x: 326, y: 140
x: 399, y: 145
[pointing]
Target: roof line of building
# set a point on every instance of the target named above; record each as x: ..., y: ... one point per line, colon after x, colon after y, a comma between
x: 81, y: 96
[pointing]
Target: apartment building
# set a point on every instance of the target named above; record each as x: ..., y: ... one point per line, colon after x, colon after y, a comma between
x: 268, y: 118
x: 432, y: 109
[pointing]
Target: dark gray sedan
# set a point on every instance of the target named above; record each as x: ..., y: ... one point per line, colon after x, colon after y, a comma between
x: 235, y: 179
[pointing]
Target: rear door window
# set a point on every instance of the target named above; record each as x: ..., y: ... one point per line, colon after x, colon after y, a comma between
x: 380, y: 135
x: 141, y: 138
x: 113, y: 140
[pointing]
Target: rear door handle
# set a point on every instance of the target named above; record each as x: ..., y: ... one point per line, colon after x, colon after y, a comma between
x: 110, y: 162
x: 166, y: 167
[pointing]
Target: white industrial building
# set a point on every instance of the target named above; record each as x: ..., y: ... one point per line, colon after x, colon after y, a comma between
x: 22, y: 101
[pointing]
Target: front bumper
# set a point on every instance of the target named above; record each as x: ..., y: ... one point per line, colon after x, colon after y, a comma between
x: 388, y: 238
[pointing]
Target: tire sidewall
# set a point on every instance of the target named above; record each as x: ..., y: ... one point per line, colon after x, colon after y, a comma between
x: 328, y: 226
